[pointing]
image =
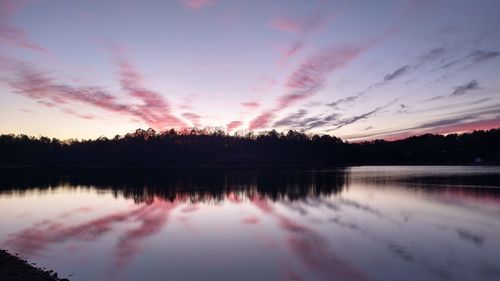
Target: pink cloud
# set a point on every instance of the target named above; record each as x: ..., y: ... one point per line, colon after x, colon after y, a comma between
x: 187, y: 102
x: 292, y: 51
x: 318, y: 19
x: 79, y: 115
x: 152, y: 108
x: 193, y: 117
x: 311, y: 75
x: 251, y: 104
x: 12, y: 35
x: 155, y: 107
x: 262, y: 120
x: 40, y: 86
x: 309, y: 78
x: 286, y: 24
x: 197, y: 4
x: 233, y: 125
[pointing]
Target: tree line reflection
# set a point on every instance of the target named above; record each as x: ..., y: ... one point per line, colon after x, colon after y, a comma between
x: 197, y: 185
x: 217, y: 185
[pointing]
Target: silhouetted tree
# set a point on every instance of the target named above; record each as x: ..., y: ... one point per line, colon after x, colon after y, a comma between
x: 215, y: 147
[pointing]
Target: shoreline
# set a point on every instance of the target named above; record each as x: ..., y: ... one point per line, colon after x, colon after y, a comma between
x: 241, y: 165
x: 14, y: 268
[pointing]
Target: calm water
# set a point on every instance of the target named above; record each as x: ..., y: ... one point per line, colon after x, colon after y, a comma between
x: 359, y: 223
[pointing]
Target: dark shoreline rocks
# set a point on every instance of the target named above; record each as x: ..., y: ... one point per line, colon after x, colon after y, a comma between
x: 13, y: 268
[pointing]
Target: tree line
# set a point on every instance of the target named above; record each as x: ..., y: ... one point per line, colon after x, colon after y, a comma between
x: 197, y: 147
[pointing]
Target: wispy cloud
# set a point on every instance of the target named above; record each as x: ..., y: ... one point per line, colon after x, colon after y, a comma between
x: 291, y: 119
x: 462, y: 89
x: 197, y: 4
x: 193, y: 117
x: 426, y: 57
x: 251, y: 104
x: 354, y: 119
x: 286, y: 24
x: 473, y: 58
x: 309, y: 78
x: 348, y: 99
x: 396, y: 73
x: 433, y: 54
x: 43, y: 87
x: 154, y: 108
x: 475, y: 119
x: 320, y: 17
x: 445, y: 122
x: 351, y: 120
x: 12, y: 35
x: 262, y: 120
x: 385, y: 80
x: 459, y: 90
x: 298, y: 120
x: 233, y: 125
x: 403, y: 108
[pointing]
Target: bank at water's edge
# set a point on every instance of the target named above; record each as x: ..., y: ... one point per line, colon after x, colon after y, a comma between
x: 13, y: 268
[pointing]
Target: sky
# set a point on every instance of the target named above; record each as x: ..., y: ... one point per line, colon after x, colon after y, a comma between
x: 358, y: 70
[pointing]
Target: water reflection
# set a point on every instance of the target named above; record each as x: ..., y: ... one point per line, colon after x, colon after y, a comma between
x: 199, y: 185
x: 378, y: 223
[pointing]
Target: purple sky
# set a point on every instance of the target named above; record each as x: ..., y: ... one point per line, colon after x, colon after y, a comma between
x: 354, y: 69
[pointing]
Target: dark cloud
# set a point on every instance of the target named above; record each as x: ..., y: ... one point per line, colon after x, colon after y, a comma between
x: 483, y: 55
x: 348, y: 99
x: 481, y: 100
x: 298, y: 120
x: 354, y: 119
x: 321, y: 122
x: 475, y: 57
x: 436, y: 98
x: 347, y: 121
x: 397, y: 73
x: 403, y: 108
x: 462, y: 89
x: 444, y: 122
x: 387, y: 79
x: 291, y: 119
x: 433, y: 54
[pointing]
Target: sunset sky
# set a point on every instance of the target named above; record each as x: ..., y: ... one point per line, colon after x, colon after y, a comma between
x: 354, y: 69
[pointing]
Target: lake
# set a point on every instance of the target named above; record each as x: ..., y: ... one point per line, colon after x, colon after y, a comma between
x: 354, y: 223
